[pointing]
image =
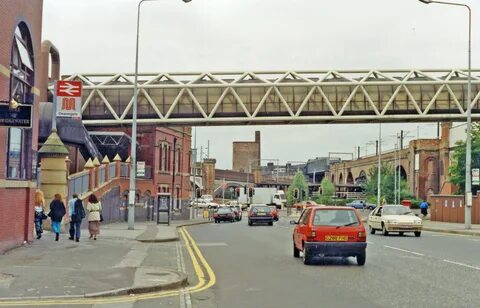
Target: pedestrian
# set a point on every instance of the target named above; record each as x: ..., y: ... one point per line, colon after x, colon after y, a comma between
x: 424, y: 208
x: 94, y: 208
x: 77, y: 214
x: 39, y: 213
x: 57, y: 211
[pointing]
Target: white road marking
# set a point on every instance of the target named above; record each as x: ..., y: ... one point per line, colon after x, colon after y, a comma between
x: 212, y: 244
x: 404, y: 250
x: 462, y: 264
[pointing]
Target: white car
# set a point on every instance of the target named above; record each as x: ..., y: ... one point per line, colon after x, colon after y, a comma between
x: 394, y: 218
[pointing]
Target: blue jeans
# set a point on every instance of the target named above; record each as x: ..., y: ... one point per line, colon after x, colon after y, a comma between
x: 75, y: 229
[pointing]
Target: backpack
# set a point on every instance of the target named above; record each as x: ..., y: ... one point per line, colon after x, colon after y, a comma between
x: 78, y: 211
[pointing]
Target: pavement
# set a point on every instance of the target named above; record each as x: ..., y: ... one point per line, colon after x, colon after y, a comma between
x: 119, y: 262
x: 254, y: 267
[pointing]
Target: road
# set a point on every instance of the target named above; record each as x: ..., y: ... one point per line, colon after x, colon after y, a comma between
x: 254, y: 267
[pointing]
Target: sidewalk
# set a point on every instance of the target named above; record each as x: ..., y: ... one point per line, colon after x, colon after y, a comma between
x: 115, y: 264
x: 448, y: 227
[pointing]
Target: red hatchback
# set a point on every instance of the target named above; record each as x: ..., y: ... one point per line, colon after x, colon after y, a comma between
x: 329, y: 231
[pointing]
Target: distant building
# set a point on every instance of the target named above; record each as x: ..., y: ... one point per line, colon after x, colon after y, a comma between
x: 246, y: 154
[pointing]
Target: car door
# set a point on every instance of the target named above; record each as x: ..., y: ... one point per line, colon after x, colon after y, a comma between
x: 302, y: 227
x: 373, y: 219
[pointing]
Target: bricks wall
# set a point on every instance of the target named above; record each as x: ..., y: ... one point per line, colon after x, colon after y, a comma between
x: 16, y: 197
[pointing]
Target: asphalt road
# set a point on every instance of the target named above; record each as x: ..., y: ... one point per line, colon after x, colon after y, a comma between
x: 254, y: 267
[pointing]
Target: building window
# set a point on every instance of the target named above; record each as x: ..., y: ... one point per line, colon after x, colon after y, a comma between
x: 177, y: 160
x: 21, y: 85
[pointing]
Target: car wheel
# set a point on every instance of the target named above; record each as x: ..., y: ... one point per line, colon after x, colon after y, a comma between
x: 372, y: 231
x: 307, y: 259
x: 361, y: 258
x: 384, y: 230
x: 250, y: 223
x: 296, y: 252
x: 401, y: 233
x: 270, y: 223
x: 418, y: 233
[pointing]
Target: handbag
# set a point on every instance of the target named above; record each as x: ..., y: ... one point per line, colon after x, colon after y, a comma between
x: 101, y: 217
x: 44, y: 216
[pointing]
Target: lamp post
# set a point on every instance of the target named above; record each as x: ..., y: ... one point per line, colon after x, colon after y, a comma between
x: 468, y: 156
x: 379, y: 164
x: 133, y: 148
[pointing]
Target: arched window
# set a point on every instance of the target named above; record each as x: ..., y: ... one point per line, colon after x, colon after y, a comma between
x: 21, y: 85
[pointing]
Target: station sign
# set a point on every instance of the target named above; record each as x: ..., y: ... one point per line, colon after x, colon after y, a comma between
x: 140, y: 168
x: 68, y: 99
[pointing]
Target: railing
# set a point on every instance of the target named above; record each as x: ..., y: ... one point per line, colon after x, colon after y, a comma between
x: 124, y: 170
x: 112, y: 171
x: 78, y: 183
x: 101, y: 173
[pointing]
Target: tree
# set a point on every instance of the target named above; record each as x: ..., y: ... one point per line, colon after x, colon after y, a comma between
x: 328, y: 189
x: 387, y: 185
x: 456, y: 170
x: 300, y: 184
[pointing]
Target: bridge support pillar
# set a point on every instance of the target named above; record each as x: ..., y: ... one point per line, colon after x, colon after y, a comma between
x: 208, y: 173
x: 257, y: 174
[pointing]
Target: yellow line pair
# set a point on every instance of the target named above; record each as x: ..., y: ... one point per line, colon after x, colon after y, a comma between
x: 202, y: 284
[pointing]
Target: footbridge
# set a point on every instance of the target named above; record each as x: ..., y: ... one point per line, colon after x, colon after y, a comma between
x: 279, y: 97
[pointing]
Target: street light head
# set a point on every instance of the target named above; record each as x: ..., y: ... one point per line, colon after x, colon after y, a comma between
x: 426, y: 1
x: 186, y: 1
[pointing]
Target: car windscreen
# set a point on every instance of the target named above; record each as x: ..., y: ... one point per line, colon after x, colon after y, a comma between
x: 396, y: 210
x: 335, y: 218
x: 261, y: 209
x: 224, y: 211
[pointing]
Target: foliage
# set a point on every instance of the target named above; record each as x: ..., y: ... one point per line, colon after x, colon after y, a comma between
x: 457, y: 164
x: 387, y: 185
x: 299, y: 183
x: 327, y: 191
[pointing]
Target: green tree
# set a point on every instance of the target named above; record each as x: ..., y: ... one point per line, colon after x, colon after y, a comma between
x: 456, y: 170
x: 328, y: 189
x: 299, y: 183
x: 387, y: 185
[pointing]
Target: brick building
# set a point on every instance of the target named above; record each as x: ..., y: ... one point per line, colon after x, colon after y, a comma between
x: 246, y: 154
x: 20, y: 37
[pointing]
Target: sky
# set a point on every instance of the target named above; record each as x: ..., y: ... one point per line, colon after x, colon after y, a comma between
x: 225, y: 35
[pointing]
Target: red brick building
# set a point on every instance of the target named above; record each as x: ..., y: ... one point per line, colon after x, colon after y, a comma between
x: 20, y: 39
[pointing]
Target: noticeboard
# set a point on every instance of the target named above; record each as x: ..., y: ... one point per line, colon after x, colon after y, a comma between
x: 20, y: 117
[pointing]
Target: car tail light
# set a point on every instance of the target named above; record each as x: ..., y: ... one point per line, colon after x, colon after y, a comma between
x: 251, y: 214
x: 313, y: 234
x: 362, y: 234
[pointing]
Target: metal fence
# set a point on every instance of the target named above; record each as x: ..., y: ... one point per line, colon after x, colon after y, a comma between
x: 112, y: 170
x: 78, y: 183
x: 124, y: 170
x: 101, y: 173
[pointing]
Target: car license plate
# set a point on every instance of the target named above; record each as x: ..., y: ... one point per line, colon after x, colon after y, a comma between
x: 261, y: 214
x: 336, y: 238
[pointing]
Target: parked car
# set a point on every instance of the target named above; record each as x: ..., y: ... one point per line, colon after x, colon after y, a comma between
x: 224, y: 214
x: 329, y: 231
x: 236, y: 203
x: 274, y: 212
x: 213, y: 205
x: 200, y: 203
x: 237, y: 211
x: 361, y: 204
x: 260, y: 213
x: 394, y: 218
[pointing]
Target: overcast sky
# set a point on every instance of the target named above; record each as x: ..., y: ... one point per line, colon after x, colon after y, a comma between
x: 207, y: 35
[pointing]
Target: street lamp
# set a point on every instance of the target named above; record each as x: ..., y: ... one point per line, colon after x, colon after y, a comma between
x: 133, y: 149
x: 468, y: 156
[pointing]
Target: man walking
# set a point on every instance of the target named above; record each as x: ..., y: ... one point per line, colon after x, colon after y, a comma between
x: 424, y: 207
x: 77, y: 213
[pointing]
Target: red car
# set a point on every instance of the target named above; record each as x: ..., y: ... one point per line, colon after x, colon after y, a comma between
x: 329, y: 231
x: 274, y: 212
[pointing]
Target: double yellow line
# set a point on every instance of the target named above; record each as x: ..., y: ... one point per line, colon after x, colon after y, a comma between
x: 205, y: 274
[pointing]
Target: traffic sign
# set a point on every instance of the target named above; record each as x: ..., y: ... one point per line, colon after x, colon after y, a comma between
x: 69, y: 98
x: 475, y: 176
x: 140, y: 168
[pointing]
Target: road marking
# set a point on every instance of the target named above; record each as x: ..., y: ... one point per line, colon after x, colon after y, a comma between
x: 462, y: 264
x: 404, y: 250
x: 200, y: 286
x: 213, y: 244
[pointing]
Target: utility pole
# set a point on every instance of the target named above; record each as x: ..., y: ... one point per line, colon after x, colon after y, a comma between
x: 379, y: 171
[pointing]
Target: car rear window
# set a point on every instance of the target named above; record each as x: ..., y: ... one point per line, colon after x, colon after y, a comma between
x: 335, y: 218
x: 224, y: 211
x: 261, y: 209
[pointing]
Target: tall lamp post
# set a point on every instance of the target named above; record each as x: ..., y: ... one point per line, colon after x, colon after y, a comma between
x: 468, y: 156
x: 133, y: 148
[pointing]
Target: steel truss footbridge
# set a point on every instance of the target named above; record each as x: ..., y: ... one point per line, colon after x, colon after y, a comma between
x: 279, y: 97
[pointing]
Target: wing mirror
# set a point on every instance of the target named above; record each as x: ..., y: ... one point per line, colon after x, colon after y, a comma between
x: 293, y: 222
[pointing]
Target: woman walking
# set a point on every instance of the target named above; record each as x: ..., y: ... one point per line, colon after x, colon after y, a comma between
x: 57, y: 211
x: 94, y: 208
x: 39, y: 213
